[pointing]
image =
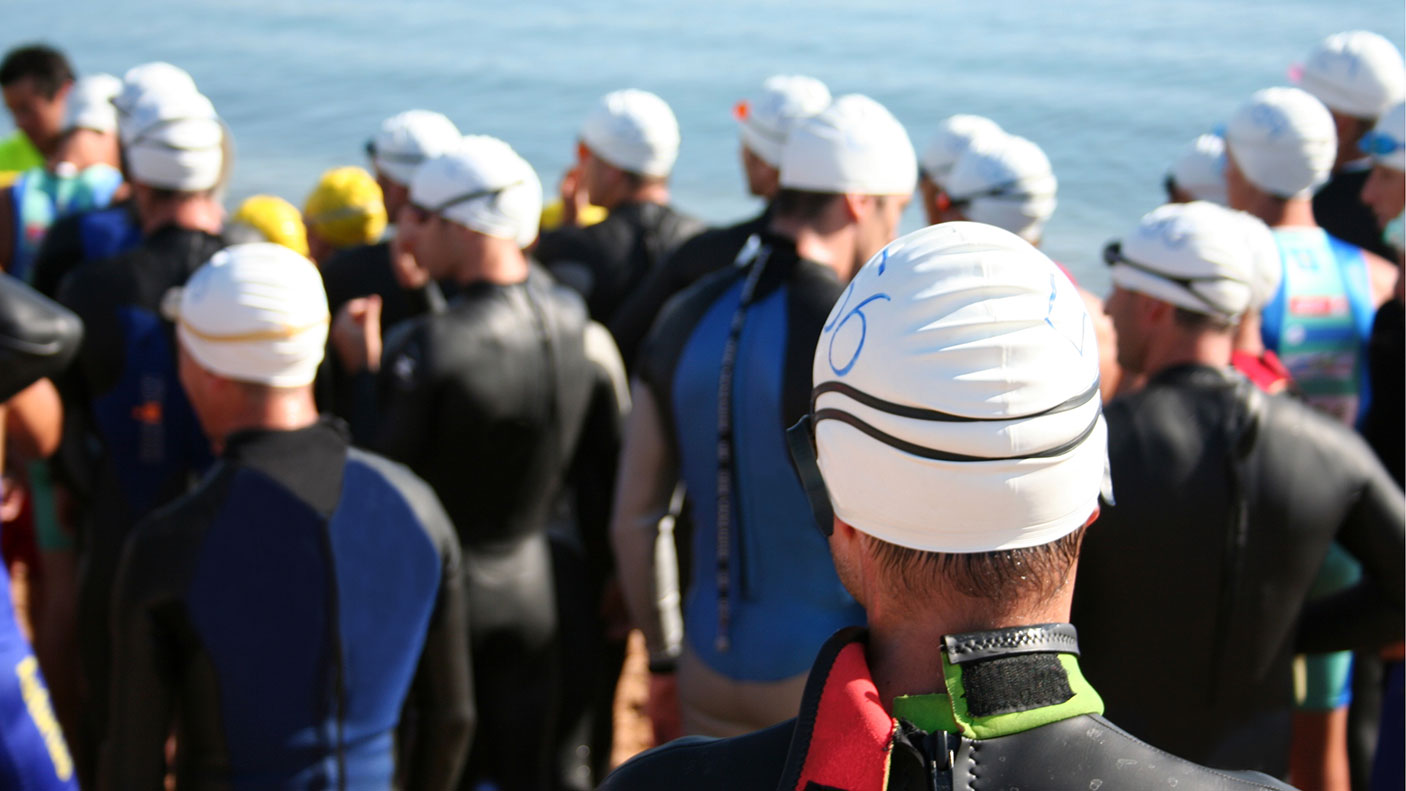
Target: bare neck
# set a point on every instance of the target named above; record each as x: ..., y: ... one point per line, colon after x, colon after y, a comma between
x: 903, y: 648
x: 1189, y: 347
x: 1278, y: 213
x: 492, y: 260
x: 827, y: 243
x: 277, y: 411
x: 1247, y: 336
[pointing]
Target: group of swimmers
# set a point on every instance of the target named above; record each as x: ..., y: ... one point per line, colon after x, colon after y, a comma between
x: 590, y: 396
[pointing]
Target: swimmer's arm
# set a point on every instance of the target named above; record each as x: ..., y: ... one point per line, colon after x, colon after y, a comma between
x: 1368, y: 615
x: 143, y: 693
x: 646, y: 481
x: 598, y: 450
x: 441, y: 695
x: 405, y: 390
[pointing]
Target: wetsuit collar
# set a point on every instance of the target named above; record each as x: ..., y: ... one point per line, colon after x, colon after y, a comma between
x: 299, y: 459
x: 997, y: 683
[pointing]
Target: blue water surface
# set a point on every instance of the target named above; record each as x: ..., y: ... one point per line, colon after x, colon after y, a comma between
x: 1111, y: 89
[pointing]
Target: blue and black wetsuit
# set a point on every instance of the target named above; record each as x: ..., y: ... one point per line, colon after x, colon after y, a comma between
x: 38, y: 338
x: 132, y: 443
x: 284, y: 615
x: 782, y: 598
x: 497, y: 405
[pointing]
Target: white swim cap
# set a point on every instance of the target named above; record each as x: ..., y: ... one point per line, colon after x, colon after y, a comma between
x: 1200, y: 169
x: 483, y: 185
x: 635, y: 131
x: 175, y: 141
x: 954, y: 136
x: 90, y: 103
x: 854, y: 145
x: 956, y: 402
x: 1005, y: 181
x: 256, y: 313
x: 1386, y: 143
x: 766, y: 120
x: 1198, y: 256
x: 149, y: 77
x: 1284, y: 142
x: 1357, y: 73
x: 407, y: 139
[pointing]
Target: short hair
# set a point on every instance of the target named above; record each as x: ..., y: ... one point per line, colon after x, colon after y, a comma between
x: 1203, y: 322
x: 45, y: 65
x: 803, y: 205
x: 999, y: 578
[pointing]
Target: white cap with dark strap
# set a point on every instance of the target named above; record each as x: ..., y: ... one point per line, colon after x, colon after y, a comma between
x: 256, y: 313
x: 854, y: 146
x: 956, y: 405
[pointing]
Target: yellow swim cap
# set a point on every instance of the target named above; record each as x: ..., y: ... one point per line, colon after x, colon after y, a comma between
x: 346, y: 208
x: 275, y: 219
x: 552, y: 215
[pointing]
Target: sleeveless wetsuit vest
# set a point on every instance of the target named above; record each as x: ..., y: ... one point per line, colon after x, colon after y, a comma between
x: 1320, y: 319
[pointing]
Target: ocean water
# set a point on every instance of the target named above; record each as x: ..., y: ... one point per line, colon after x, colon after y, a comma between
x: 1111, y: 89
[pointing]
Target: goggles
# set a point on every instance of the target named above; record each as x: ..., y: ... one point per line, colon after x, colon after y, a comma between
x: 1010, y: 189
x: 402, y: 157
x: 1379, y: 144
x: 1113, y: 256
x: 422, y: 212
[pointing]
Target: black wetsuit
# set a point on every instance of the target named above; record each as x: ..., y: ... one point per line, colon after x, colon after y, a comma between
x: 132, y: 441
x: 76, y: 239
x: 1018, y: 716
x: 495, y: 403
x: 38, y: 337
x: 609, y: 261
x: 1384, y: 425
x: 1190, y: 612
x: 701, y: 255
x: 1339, y: 210
x: 284, y: 614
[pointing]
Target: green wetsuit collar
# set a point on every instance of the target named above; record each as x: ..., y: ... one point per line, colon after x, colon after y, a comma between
x: 1004, y: 682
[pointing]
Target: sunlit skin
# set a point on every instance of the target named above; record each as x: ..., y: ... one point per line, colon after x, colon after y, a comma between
x: 40, y: 117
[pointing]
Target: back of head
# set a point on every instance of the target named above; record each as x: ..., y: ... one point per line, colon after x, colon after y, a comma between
x: 956, y: 405
x: 268, y: 218
x: 766, y: 120
x: 1200, y: 257
x: 854, y: 146
x: 1005, y: 181
x: 90, y: 104
x: 406, y: 140
x: 635, y: 131
x: 173, y: 140
x: 954, y: 136
x: 483, y: 185
x: 256, y: 313
x: 346, y: 208
x: 150, y: 78
x: 1386, y: 143
x: 1357, y: 73
x: 45, y: 66
x: 1284, y: 142
x: 1200, y: 169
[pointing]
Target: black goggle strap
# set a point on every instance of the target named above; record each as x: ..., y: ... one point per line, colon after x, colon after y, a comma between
x: 800, y: 438
x: 402, y: 157
x: 1006, y: 190
x: 468, y: 196
x: 1113, y: 256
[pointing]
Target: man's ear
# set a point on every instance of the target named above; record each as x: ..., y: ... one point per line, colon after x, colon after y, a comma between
x: 857, y: 206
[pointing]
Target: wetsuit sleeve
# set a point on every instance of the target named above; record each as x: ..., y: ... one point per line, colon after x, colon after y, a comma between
x: 38, y: 337
x: 598, y: 450
x: 442, y: 693
x: 647, y: 478
x: 1369, y: 614
x: 143, y: 669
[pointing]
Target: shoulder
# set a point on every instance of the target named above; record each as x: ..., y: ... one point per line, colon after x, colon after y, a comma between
x: 677, y: 320
x: 753, y: 761
x: 413, y: 490
x: 161, y: 545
